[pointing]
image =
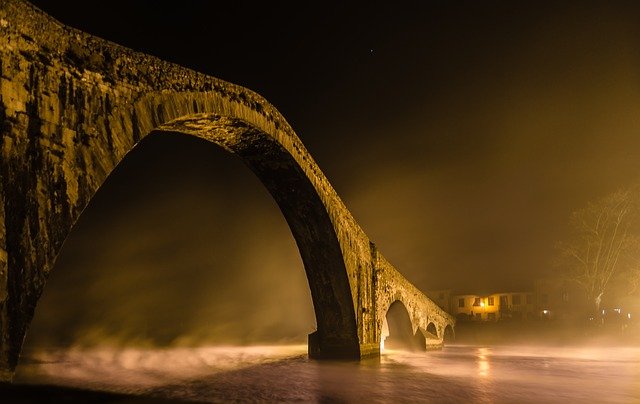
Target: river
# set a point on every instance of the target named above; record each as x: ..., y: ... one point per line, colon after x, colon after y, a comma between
x: 458, y: 373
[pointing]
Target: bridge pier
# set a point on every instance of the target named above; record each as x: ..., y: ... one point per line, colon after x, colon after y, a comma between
x: 6, y: 371
x: 370, y: 350
x: 340, y: 350
x: 322, y: 348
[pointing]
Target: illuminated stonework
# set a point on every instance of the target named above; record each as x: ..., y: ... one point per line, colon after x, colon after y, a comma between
x: 72, y: 106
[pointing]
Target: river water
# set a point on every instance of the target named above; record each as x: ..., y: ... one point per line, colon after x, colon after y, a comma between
x: 458, y: 373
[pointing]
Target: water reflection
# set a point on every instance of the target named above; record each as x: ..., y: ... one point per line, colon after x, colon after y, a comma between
x: 483, y: 362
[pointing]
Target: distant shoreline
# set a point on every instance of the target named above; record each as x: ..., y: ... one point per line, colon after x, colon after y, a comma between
x: 548, y: 333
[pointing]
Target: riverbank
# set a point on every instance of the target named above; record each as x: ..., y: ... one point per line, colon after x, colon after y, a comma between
x: 545, y: 333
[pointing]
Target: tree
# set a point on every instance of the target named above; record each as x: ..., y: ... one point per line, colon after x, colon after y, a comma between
x: 630, y: 277
x: 603, y: 243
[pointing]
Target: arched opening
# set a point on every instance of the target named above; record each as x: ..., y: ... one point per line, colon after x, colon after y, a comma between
x: 397, y: 331
x: 448, y: 336
x: 431, y: 329
x: 276, y: 156
x: 176, y: 251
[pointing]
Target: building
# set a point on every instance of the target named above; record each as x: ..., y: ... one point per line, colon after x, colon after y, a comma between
x: 493, y: 307
x: 552, y: 298
x: 561, y: 299
x: 488, y: 307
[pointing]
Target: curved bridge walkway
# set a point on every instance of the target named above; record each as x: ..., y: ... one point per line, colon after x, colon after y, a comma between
x: 72, y: 106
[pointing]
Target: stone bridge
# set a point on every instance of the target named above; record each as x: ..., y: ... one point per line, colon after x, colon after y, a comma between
x: 72, y: 106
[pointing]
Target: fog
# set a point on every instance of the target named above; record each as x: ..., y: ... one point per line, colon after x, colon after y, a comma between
x: 283, y: 374
x: 481, y: 177
x: 174, y: 250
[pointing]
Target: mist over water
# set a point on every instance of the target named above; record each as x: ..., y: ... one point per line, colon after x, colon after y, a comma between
x: 283, y: 373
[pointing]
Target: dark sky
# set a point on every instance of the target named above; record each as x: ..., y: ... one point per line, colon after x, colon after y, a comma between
x: 461, y: 135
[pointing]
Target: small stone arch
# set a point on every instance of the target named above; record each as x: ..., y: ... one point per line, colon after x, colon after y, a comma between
x: 448, y: 335
x: 399, y: 330
x: 431, y: 329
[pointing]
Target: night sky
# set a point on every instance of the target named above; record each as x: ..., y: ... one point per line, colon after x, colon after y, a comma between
x: 461, y: 135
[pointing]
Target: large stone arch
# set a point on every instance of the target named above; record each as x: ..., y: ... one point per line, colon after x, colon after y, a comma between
x: 73, y: 105
x: 303, y: 207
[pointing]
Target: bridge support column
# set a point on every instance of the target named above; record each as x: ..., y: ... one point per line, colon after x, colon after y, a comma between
x: 6, y: 369
x: 6, y: 372
x: 340, y: 349
x: 369, y: 350
x: 7, y: 365
x: 331, y: 348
